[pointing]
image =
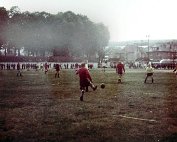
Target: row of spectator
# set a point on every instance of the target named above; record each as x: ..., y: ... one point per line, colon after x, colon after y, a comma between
x: 13, y: 66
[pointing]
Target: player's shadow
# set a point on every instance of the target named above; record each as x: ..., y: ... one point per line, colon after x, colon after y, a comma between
x: 171, y: 138
x: 161, y: 83
x: 150, y: 83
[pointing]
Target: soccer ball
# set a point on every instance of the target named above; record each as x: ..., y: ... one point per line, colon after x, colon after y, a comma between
x: 102, y: 85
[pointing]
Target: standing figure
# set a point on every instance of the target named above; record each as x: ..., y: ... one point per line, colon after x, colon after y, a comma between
x: 46, y: 68
x: 175, y: 71
x: 28, y: 66
x: 120, y: 69
x: 85, y: 80
x: 57, y: 68
x: 18, y: 70
x: 149, y: 73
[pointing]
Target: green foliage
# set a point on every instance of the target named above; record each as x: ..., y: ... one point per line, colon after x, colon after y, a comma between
x: 41, y: 31
x: 3, y: 23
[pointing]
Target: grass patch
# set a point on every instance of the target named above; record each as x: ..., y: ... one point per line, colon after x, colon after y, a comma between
x: 39, y: 107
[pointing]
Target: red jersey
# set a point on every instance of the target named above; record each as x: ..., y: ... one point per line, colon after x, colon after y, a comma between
x: 57, y: 67
x: 120, y: 68
x: 46, y: 66
x: 84, y: 74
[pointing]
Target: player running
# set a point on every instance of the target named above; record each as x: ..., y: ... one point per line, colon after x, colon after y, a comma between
x: 120, y: 69
x: 57, y: 68
x: 46, y: 67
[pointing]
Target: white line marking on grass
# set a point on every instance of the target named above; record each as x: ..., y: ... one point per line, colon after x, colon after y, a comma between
x: 135, y: 118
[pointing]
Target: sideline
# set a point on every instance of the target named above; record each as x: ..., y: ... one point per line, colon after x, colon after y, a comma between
x: 135, y: 118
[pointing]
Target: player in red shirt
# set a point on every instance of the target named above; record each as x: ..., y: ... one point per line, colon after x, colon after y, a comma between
x: 46, y: 68
x: 57, y: 68
x: 85, y: 80
x: 120, y: 69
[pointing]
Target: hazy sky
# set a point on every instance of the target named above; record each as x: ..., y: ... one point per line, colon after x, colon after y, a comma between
x: 126, y: 19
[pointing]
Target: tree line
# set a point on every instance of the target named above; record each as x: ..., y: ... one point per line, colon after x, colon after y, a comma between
x: 63, y: 34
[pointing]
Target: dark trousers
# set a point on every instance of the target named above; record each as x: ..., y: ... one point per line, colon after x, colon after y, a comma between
x: 57, y: 74
x: 149, y: 75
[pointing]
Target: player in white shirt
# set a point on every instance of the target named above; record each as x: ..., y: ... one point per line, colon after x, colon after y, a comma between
x: 149, y: 73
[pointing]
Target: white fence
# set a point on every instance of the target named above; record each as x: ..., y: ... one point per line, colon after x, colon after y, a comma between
x: 39, y: 65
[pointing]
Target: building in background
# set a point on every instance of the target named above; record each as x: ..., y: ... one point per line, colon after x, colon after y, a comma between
x: 132, y: 51
x: 164, y: 51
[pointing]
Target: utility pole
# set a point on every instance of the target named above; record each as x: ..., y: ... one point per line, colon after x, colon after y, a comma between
x: 148, y: 45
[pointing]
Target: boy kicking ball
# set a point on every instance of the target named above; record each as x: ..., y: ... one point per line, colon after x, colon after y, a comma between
x: 85, y: 80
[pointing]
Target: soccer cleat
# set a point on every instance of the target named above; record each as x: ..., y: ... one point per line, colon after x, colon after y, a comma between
x: 94, y: 88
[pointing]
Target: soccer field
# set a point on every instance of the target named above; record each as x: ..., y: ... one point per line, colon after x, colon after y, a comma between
x: 39, y: 107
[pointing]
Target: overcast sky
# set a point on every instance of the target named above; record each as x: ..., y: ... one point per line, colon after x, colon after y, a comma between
x: 126, y: 19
